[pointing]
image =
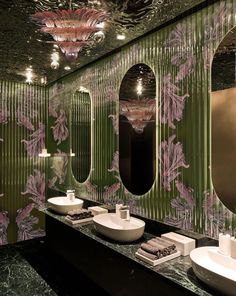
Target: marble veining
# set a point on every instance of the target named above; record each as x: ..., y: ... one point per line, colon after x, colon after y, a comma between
x: 177, y: 270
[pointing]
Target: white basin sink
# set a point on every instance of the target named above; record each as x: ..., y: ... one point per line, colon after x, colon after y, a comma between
x: 110, y: 225
x: 215, y: 269
x: 62, y: 204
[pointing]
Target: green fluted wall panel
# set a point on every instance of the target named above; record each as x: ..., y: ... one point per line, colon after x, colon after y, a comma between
x: 22, y: 108
x: 180, y: 56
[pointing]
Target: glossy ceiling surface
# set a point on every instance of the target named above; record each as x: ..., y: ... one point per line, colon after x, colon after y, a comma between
x: 23, y: 45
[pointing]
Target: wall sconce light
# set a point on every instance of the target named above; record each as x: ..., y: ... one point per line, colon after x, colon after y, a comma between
x: 44, y: 153
x: 72, y: 153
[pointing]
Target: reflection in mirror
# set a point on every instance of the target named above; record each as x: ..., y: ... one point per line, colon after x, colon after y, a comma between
x: 81, y: 134
x: 137, y: 129
x: 223, y: 108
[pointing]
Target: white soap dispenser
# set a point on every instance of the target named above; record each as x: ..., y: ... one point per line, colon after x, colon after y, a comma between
x: 118, y: 207
x: 224, y: 244
x: 70, y: 194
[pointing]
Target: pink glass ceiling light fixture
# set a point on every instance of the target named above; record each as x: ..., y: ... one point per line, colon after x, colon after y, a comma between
x: 71, y: 29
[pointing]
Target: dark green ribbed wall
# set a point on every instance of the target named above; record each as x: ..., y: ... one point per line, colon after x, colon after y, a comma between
x: 16, y: 164
x: 180, y: 56
x: 190, y: 201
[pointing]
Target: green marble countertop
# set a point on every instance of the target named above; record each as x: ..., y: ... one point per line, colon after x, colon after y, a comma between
x: 18, y: 277
x: 177, y: 270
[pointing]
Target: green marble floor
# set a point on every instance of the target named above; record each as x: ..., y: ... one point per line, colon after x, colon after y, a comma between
x: 29, y: 269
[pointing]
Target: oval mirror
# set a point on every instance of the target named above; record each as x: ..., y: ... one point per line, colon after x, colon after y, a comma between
x: 137, y: 129
x: 81, y: 135
x: 223, y: 109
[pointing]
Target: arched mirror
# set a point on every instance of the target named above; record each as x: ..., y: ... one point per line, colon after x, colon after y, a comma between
x: 81, y: 134
x: 137, y: 129
x: 223, y: 108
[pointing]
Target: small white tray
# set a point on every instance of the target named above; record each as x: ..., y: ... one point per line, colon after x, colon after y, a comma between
x: 79, y: 221
x: 158, y: 261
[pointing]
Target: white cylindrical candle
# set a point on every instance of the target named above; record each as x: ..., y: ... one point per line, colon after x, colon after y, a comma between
x: 224, y: 244
x: 233, y: 247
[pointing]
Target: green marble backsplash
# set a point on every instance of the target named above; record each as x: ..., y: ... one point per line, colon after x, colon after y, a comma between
x: 180, y: 56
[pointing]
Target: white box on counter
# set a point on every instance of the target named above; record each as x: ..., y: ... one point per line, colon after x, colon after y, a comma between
x: 183, y: 243
x: 96, y: 210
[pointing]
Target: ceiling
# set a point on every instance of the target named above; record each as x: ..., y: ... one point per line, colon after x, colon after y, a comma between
x: 23, y: 45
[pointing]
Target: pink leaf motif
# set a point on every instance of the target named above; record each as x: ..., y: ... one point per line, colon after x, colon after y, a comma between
x: 35, y: 186
x: 59, y: 166
x: 23, y: 120
x: 37, y: 143
x: 115, y: 163
x: 186, y: 68
x: 60, y: 131
x: 213, y: 28
x: 110, y: 191
x: 26, y: 231
x: 215, y: 214
x: 115, y: 123
x: 183, y: 206
x: 184, y: 59
x: 172, y: 105
x: 210, y: 201
x: 52, y: 183
x: 53, y: 106
x: 91, y: 188
x: 186, y: 193
x: 57, y: 88
x: 111, y: 94
x: 23, y: 213
x: 172, y: 158
x: 4, y: 116
x: 179, y: 36
x: 4, y: 222
x: 182, y: 222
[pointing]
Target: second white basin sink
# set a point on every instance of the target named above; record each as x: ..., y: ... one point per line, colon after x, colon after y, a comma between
x: 111, y: 226
x: 215, y: 269
x: 63, y: 205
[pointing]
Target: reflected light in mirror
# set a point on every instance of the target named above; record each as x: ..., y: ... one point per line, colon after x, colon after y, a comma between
x: 29, y: 75
x: 138, y: 112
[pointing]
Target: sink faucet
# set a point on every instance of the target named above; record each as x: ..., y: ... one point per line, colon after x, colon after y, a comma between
x: 124, y: 213
x: 70, y: 193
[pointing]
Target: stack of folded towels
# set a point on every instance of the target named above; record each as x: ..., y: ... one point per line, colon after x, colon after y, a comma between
x: 79, y: 214
x: 157, y: 248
